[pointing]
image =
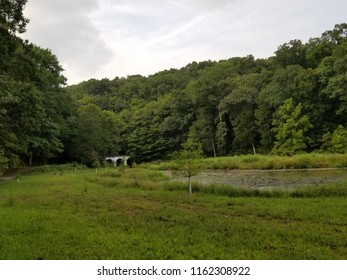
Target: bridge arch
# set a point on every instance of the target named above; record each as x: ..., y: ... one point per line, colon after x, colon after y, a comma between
x: 120, y: 160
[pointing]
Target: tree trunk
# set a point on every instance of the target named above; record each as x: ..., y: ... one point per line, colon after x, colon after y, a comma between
x: 190, y: 184
x: 213, y: 145
x: 31, y: 159
x: 254, y: 152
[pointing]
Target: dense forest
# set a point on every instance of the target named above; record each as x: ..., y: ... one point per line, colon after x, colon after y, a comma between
x: 293, y: 102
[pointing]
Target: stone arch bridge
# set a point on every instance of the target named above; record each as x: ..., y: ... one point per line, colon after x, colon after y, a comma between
x: 120, y: 160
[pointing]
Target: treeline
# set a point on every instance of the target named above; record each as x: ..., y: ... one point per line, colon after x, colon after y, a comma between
x: 293, y: 102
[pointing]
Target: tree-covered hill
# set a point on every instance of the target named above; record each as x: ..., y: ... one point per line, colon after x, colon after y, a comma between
x: 293, y: 102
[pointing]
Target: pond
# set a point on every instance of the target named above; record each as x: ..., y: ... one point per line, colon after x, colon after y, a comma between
x: 271, y: 178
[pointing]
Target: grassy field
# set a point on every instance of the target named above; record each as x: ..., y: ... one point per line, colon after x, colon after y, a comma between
x: 140, y: 214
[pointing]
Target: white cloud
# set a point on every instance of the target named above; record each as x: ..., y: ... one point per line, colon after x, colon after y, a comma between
x: 65, y: 27
x: 108, y: 38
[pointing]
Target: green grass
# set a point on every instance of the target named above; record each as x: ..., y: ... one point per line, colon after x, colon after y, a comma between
x: 265, y: 162
x: 139, y: 214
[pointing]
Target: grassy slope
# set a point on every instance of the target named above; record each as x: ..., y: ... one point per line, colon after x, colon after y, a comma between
x: 136, y: 214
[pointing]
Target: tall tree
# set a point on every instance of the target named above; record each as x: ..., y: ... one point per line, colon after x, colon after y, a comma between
x: 292, y: 53
x: 335, y: 142
x: 186, y: 159
x: 337, y: 82
x: 338, y: 34
x: 158, y: 128
x: 240, y: 106
x: 10, y: 145
x: 290, y: 128
x: 97, y: 136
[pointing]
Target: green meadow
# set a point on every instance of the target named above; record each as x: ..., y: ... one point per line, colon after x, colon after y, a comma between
x: 140, y: 213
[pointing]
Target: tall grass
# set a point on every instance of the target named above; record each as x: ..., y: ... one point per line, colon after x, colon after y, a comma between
x: 331, y: 190
x: 264, y: 162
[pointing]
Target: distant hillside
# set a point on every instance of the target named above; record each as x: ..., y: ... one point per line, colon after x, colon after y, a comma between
x: 290, y: 103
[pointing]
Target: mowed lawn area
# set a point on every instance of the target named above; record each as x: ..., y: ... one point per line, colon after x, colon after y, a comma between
x: 141, y: 214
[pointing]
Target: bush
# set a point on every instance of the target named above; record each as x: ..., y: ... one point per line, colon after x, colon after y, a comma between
x: 335, y: 142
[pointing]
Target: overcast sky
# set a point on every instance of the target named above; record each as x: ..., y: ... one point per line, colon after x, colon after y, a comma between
x: 109, y: 38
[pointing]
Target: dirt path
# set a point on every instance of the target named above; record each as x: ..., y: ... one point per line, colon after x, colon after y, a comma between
x: 13, y: 174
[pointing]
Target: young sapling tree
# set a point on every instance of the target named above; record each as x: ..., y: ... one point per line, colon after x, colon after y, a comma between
x: 186, y: 159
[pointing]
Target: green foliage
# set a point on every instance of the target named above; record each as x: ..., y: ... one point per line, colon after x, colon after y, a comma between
x: 222, y: 137
x: 98, y: 134
x: 10, y: 146
x: 3, y: 161
x: 290, y: 128
x: 33, y: 105
x: 337, y: 35
x: 158, y: 128
x: 239, y: 106
x: 11, y: 15
x: 292, y: 53
x: 335, y: 142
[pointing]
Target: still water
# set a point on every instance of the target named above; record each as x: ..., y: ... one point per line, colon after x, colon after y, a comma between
x: 272, y: 178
